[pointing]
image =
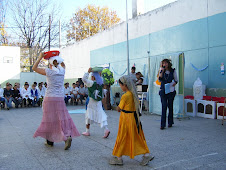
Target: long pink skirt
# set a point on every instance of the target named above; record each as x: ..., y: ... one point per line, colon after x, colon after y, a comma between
x: 56, y: 123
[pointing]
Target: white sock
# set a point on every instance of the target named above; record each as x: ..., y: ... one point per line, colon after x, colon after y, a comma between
x: 146, y: 154
x: 105, y: 128
x: 87, y: 130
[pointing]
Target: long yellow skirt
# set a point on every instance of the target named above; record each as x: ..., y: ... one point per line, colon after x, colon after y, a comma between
x: 129, y: 142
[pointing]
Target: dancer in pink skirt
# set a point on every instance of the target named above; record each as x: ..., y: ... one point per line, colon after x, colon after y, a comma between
x: 56, y: 125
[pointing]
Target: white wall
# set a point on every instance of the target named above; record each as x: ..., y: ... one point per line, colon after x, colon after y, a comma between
x: 31, y: 77
x: 9, y: 63
x: 77, y: 56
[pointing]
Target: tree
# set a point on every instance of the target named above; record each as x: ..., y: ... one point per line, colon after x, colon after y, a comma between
x: 33, y: 20
x: 89, y: 21
x: 108, y: 81
x: 4, y: 36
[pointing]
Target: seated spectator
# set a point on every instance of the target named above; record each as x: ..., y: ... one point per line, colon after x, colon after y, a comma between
x: 36, y: 84
x: 45, y: 84
x: 41, y: 93
x: 68, y: 85
x: 74, y: 93
x: 26, y: 95
x: 2, y: 99
x: 18, y: 86
x: 8, y: 96
x: 34, y: 95
x: 67, y: 93
x: 82, y: 93
x: 140, y: 78
x: 17, y: 100
x: 78, y: 84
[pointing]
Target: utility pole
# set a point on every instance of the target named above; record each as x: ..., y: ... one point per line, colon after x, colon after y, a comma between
x: 49, y: 30
x: 59, y: 35
x: 127, y: 36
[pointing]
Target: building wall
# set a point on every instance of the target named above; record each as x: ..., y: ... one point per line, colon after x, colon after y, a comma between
x: 197, y: 28
x: 9, y: 64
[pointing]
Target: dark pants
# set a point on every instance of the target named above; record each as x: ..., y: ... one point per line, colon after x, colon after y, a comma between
x: 25, y: 101
x: 66, y: 99
x: 17, y: 102
x: 82, y: 97
x: 167, y: 101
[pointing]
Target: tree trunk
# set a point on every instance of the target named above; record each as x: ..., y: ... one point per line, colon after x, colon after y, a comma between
x: 107, y: 100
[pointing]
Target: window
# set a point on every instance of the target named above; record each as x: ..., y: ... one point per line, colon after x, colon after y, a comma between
x: 7, y: 59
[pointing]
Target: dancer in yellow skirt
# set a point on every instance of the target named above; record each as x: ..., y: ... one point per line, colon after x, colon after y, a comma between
x: 130, y: 139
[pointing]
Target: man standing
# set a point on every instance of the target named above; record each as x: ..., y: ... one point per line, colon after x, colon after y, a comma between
x: 133, y: 74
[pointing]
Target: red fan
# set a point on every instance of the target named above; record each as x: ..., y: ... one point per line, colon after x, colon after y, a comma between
x: 50, y: 54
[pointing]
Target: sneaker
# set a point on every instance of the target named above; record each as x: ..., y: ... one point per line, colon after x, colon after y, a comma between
x: 86, y: 134
x: 48, y: 143
x: 68, y: 143
x: 146, y: 159
x: 106, y: 134
x: 116, y: 161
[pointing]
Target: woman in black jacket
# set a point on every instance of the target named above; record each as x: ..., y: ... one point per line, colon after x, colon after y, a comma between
x: 168, y: 79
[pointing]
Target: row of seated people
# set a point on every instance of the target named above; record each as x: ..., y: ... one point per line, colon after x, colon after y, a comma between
x: 78, y: 92
x: 21, y: 96
x: 32, y: 96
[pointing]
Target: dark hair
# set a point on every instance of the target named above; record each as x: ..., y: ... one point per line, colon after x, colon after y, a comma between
x: 133, y: 68
x: 35, y: 83
x: 73, y: 84
x: 139, y: 73
x: 39, y: 84
x: 169, y: 63
x: 120, y: 82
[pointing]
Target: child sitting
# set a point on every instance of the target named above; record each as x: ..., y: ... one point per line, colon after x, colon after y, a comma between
x: 74, y: 93
x: 41, y: 93
x: 26, y: 94
x: 2, y: 99
x: 8, y: 96
x: 34, y: 95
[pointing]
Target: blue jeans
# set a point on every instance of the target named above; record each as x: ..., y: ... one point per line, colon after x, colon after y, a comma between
x: 66, y: 99
x: 17, y: 102
x: 35, y: 101
x: 9, y: 102
x: 87, y: 102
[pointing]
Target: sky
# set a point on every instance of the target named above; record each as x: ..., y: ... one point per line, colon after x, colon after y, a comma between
x: 69, y: 7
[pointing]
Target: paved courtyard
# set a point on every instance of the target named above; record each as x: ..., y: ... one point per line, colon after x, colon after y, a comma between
x: 194, y: 143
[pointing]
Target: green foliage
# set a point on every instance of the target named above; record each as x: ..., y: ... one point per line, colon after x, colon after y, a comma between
x: 108, y: 77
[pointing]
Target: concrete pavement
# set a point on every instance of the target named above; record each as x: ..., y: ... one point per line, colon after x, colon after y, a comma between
x: 194, y: 143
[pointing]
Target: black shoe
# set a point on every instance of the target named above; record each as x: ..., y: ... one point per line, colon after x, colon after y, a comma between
x: 7, y: 108
x: 76, y: 103
x: 162, y: 128
x: 170, y: 126
x: 49, y: 143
